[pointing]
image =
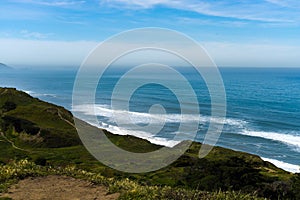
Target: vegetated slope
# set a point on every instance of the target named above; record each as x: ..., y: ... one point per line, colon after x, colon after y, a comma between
x: 45, y: 133
x: 35, y: 122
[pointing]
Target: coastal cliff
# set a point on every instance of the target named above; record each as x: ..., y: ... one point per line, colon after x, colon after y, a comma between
x: 44, y: 134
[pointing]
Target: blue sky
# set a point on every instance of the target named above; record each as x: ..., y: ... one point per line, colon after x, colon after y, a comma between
x: 247, y: 33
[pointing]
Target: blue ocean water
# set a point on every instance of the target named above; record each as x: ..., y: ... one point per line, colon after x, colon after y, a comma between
x: 263, y: 107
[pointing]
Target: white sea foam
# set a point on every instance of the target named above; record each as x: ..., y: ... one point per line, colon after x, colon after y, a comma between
x: 144, y: 118
x: 292, y: 140
x: 136, y: 117
x: 286, y: 166
x: 34, y: 94
x: 105, y: 111
x: 29, y: 92
x: 140, y: 134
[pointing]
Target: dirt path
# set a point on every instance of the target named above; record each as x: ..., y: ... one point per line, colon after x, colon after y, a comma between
x: 11, y: 142
x: 61, y: 117
x: 57, y: 188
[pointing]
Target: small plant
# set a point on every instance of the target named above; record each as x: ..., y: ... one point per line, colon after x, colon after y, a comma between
x: 128, y: 189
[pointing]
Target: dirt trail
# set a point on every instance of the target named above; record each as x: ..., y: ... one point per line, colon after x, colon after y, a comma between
x: 61, y: 117
x: 57, y: 188
x: 11, y: 142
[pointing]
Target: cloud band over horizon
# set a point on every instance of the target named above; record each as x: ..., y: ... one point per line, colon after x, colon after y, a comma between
x: 258, y: 33
x: 15, y: 52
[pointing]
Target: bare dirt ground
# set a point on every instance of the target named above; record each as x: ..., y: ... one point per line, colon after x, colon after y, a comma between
x: 57, y: 188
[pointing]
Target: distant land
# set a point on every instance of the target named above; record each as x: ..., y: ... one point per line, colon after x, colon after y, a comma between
x: 44, y: 134
x: 5, y: 67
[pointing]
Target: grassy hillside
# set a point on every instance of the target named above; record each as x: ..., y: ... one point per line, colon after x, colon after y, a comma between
x: 44, y: 134
x: 35, y: 123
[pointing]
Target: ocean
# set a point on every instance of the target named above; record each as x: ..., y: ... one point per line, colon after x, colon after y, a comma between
x: 263, y: 107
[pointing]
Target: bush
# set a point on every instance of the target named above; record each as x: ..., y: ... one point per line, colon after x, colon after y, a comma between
x: 8, y: 106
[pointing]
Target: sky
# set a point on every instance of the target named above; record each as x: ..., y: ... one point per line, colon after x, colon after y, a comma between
x: 244, y: 33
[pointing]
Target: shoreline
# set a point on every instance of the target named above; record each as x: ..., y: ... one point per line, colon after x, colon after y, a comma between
x: 283, y: 165
x: 292, y: 168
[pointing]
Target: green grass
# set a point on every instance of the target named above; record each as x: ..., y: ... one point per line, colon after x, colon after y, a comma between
x: 36, y: 118
x: 128, y: 189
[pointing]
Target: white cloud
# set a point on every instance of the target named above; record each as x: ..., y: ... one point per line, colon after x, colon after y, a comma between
x: 226, y: 23
x: 265, y: 11
x: 286, y: 3
x: 55, y: 3
x: 59, y: 3
x: 19, y: 13
x: 35, y: 35
x: 253, y: 55
x: 35, y: 53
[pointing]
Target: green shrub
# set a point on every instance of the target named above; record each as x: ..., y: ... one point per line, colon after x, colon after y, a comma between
x: 8, y: 106
x: 128, y: 189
